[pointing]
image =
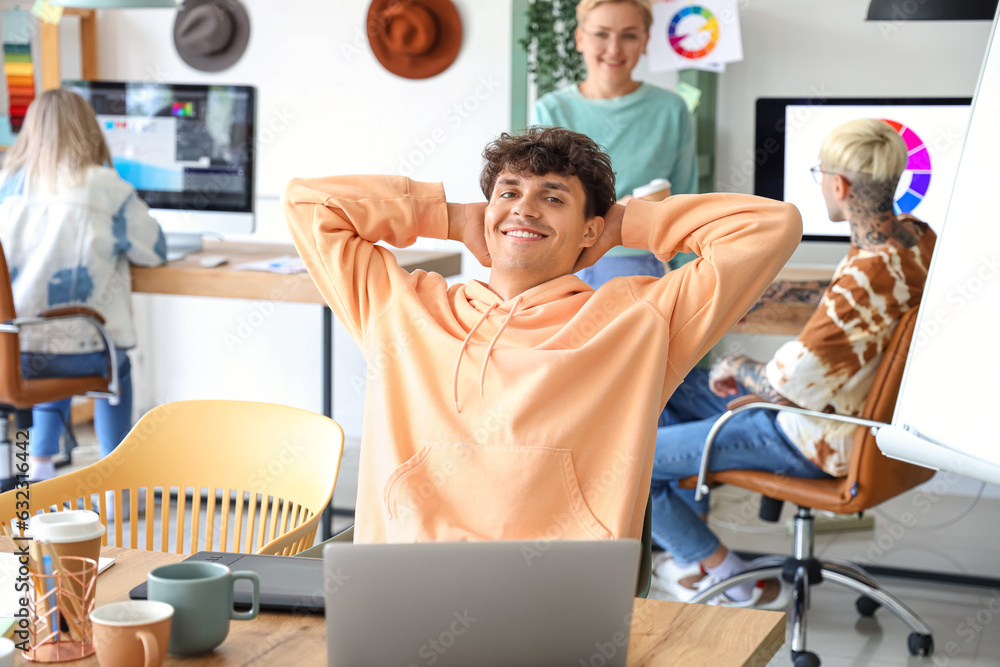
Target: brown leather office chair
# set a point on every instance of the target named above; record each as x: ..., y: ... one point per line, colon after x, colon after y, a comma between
x: 872, y: 479
x: 18, y: 395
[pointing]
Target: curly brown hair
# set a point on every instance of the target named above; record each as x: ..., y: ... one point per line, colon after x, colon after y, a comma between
x: 553, y: 150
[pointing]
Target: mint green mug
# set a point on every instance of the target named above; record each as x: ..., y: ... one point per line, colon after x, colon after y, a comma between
x: 202, y: 597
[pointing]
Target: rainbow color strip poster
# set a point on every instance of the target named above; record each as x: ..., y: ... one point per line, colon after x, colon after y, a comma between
x: 17, y: 29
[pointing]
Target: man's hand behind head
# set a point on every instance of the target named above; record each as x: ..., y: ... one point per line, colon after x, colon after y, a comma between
x: 609, y: 238
x: 467, y: 223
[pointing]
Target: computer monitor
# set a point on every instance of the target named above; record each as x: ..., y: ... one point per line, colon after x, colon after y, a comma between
x: 789, y: 132
x: 187, y: 149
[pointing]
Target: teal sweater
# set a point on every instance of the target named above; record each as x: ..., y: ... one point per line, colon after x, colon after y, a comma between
x: 647, y: 133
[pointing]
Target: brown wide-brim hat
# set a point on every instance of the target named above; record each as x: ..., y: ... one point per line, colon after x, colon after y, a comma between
x: 211, y: 35
x: 415, y: 39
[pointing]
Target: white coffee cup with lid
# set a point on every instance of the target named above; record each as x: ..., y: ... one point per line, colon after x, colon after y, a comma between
x: 656, y: 190
x: 75, y: 533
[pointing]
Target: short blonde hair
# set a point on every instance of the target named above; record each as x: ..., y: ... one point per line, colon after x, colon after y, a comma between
x: 865, y: 146
x: 59, y: 141
x: 645, y: 8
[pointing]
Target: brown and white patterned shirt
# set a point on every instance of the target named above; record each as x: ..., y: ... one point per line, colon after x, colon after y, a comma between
x: 832, y: 364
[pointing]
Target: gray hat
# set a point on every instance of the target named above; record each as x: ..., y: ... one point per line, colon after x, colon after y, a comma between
x: 211, y: 35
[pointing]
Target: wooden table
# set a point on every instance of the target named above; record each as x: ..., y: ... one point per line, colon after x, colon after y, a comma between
x: 663, y: 633
x: 186, y: 277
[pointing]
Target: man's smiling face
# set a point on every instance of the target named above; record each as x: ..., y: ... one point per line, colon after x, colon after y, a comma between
x: 537, y: 224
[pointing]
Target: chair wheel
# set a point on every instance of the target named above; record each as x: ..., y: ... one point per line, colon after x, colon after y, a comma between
x: 920, y: 644
x: 867, y: 606
x: 805, y: 659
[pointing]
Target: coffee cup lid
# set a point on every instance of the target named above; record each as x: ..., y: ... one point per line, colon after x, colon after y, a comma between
x: 68, y: 526
x: 655, y: 185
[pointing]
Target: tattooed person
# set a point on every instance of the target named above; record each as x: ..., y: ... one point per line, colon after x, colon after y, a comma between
x: 830, y: 366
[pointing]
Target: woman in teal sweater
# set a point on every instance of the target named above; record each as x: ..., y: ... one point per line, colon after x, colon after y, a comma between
x: 646, y: 130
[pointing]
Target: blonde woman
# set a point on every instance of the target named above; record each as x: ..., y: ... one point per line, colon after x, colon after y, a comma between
x: 70, y: 227
x: 646, y: 130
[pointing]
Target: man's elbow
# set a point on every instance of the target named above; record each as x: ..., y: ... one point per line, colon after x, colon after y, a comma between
x: 792, y: 220
x: 788, y: 226
x: 288, y: 197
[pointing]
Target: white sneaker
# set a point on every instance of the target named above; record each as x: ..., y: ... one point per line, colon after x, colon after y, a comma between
x: 771, y: 594
x: 668, y: 577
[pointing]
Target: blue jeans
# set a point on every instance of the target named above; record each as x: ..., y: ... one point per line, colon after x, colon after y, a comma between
x: 749, y: 441
x: 607, y: 268
x: 111, y: 422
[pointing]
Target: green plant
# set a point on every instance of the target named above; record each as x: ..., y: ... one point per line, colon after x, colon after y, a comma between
x: 553, y: 60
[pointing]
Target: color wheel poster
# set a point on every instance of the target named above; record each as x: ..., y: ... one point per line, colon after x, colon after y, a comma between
x: 700, y: 34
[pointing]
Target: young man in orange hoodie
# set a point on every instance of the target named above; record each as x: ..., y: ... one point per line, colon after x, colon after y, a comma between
x: 525, y: 408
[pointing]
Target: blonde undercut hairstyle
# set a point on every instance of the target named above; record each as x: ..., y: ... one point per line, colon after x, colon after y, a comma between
x: 584, y: 7
x: 59, y: 141
x: 865, y: 146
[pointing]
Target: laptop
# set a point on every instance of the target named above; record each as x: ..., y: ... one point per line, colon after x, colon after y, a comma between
x: 489, y: 604
x: 286, y: 584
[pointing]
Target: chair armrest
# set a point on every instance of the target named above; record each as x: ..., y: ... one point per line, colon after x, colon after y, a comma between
x: 746, y: 399
x: 71, y: 311
x: 739, y: 405
x: 94, y: 318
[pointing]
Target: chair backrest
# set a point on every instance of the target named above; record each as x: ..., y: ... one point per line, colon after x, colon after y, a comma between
x: 10, y: 346
x: 873, y: 477
x: 262, y: 473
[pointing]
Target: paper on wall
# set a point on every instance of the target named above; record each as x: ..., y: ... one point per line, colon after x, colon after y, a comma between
x: 694, y: 35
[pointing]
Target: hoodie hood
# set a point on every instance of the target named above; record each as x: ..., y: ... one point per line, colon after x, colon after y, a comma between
x: 484, y: 301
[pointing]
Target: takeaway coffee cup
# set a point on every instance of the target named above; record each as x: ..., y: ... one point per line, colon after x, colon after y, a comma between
x: 70, y: 533
x: 202, y: 597
x: 656, y: 190
x: 132, y: 633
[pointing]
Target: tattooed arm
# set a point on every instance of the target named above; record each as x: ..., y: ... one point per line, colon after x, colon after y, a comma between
x: 729, y: 373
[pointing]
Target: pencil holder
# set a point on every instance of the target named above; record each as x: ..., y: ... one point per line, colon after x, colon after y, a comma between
x: 59, y: 606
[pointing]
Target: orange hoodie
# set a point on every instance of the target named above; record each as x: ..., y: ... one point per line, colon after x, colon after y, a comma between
x: 533, y: 418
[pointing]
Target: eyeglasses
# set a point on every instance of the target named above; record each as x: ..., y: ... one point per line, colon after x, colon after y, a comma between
x: 817, y: 173
x: 628, y: 40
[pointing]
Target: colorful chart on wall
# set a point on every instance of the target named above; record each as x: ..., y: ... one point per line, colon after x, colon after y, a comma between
x: 700, y: 34
x: 933, y: 133
x: 915, y: 181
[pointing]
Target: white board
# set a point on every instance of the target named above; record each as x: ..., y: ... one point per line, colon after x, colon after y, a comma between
x: 951, y: 387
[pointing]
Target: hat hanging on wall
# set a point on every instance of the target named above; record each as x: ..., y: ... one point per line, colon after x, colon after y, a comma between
x: 414, y: 39
x: 211, y: 35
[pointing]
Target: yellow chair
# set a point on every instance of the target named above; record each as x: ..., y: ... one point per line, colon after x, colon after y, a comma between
x: 271, y: 469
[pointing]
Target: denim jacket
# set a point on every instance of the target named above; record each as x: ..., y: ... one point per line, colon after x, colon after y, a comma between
x: 74, y: 247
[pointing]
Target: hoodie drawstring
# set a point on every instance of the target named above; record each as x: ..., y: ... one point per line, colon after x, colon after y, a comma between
x: 489, y: 350
x: 461, y: 351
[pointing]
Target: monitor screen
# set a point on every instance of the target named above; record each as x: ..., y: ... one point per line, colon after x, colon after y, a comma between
x: 187, y: 149
x: 789, y: 132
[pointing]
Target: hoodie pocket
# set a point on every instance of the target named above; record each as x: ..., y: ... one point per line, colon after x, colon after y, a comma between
x: 461, y: 492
